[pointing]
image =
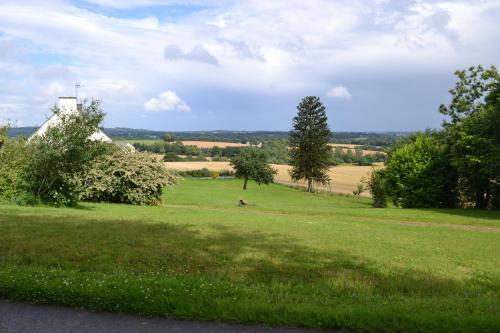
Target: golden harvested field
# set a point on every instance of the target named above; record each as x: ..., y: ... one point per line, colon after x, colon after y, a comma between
x: 211, y: 144
x: 186, y: 166
x: 352, y: 147
x: 344, y: 177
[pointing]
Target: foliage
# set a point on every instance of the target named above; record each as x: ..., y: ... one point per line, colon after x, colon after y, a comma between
x: 474, y: 136
x: 44, y: 169
x: 169, y: 137
x: 459, y: 165
x: 252, y: 163
x: 3, y: 135
x: 277, y: 151
x: 418, y: 172
x: 287, y: 261
x: 359, y: 189
x: 220, y: 159
x: 469, y: 92
x: 345, y: 155
x: 171, y: 157
x: 200, y: 173
x: 206, y: 173
x: 309, y: 149
x: 64, y: 151
x: 123, y: 177
x: 375, y: 183
x: 14, y: 158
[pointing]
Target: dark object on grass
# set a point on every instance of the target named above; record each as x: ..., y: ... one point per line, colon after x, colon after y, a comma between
x: 243, y: 203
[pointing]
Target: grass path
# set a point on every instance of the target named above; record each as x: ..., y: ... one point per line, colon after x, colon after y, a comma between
x: 292, y: 259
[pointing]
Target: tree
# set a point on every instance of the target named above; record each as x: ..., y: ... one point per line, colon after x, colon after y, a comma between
x: 469, y: 92
x: 473, y: 135
x: 167, y: 137
x: 64, y: 151
x: 252, y: 163
x: 309, y: 143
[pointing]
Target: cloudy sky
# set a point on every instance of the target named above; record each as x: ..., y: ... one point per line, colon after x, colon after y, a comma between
x: 377, y: 65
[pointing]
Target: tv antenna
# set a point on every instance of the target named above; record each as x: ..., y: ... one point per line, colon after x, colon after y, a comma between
x: 77, y: 86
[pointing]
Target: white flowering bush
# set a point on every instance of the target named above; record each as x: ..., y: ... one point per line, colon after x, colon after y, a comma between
x: 126, y: 177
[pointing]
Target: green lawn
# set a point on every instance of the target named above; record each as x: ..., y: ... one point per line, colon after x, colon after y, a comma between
x: 291, y: 258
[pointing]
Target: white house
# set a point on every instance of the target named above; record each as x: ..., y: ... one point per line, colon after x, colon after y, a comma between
x: 68, y: 105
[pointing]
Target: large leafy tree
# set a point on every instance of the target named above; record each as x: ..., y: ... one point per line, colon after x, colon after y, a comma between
x: 473, y: 134
x: 309, y: 143
x: 63, y: 152
x: 252, y: 163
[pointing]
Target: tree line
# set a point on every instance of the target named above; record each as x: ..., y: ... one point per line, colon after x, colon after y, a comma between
x: 457, y: 165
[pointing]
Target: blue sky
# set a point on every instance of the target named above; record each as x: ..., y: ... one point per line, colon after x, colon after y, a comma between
x: 378, y: 65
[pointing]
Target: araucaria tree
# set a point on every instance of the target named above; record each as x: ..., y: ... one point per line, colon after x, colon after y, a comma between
x: 252, y: 163
x: 309, y: 138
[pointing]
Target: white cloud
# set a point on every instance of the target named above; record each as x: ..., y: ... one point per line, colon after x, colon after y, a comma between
x: 339, y: 92
x: 198, y: 53
x: 260, y: 47
x: 53, y: 90
x: 167, y: 101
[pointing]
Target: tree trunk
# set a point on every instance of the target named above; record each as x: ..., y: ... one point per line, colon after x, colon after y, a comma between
x: 480, y: 200
x: 309, y: 184
x: 245, y: 183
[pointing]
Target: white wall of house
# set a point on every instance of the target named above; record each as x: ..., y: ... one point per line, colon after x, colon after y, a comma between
x: 67, y: 105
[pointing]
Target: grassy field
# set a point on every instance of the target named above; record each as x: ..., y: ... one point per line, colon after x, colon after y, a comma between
x: 290, y: 258
x: 344, y: 178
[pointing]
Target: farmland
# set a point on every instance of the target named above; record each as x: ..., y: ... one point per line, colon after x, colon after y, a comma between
x: 345, y: 178
x: 290, y: 258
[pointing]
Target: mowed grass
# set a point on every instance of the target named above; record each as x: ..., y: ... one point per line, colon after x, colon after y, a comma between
x: 289, y: 258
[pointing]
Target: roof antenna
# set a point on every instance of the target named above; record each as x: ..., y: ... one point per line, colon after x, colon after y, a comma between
x: 77, y: 85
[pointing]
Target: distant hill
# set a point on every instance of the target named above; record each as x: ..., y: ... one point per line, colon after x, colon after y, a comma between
x: 382, y: 139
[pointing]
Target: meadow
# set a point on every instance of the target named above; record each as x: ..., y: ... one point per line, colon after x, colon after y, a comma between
x: 289, y: 258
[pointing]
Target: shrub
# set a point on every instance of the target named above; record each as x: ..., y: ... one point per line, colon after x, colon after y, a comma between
x: 196, y: 173
x: 122, y: 177
x: 214, y: 174
x: 376, y: 185
x: 3, y: 135
x: 14, y: 184
x: 171, y: 157
x: 359, y: 189
x: 226, y: 173
x: 418, y: 173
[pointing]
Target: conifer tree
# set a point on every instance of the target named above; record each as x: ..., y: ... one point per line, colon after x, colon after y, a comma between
x: 309, y: 143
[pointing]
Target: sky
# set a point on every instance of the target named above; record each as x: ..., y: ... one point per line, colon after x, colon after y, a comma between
x: 173, y: 65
